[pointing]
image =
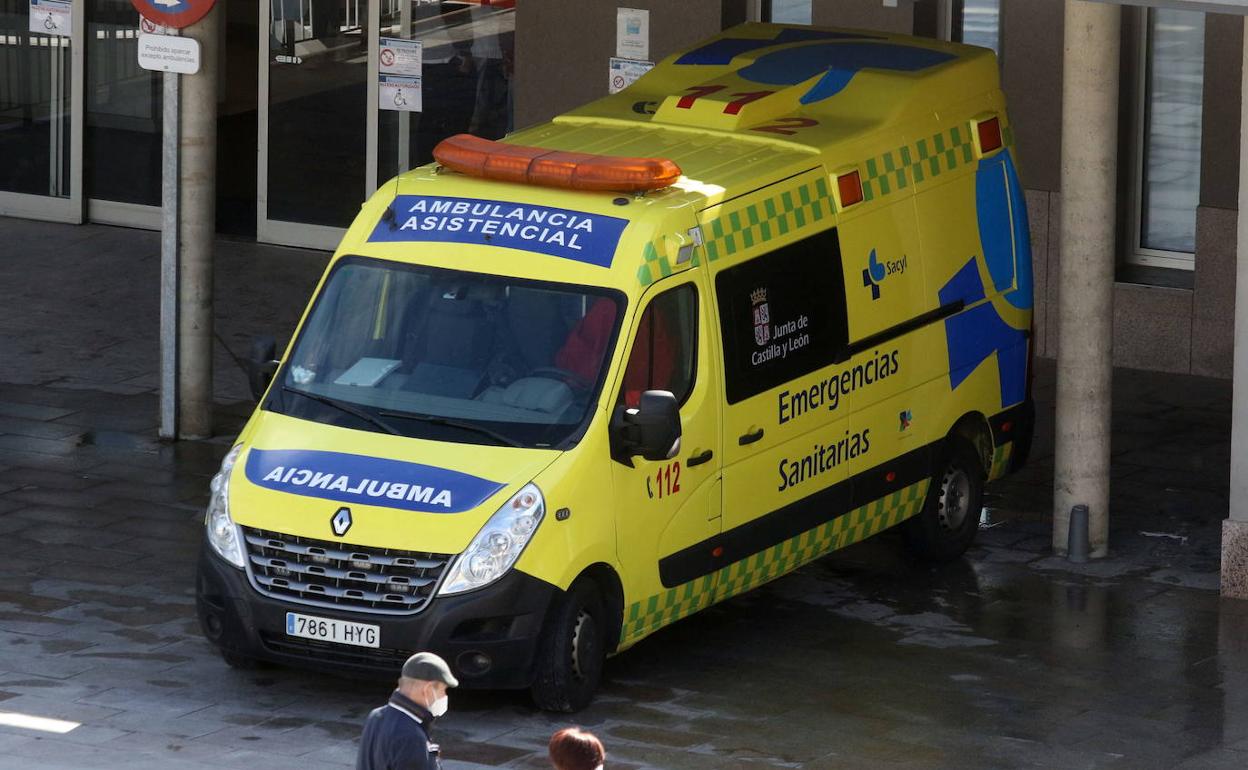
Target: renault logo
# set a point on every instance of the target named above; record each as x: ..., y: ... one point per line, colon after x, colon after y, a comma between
x: 341, y: 521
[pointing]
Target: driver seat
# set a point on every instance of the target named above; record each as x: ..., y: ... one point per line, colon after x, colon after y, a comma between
x: 586, y: 344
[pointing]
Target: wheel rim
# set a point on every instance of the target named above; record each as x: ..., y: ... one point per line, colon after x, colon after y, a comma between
x: 955, y: 499
x: 584, y: 642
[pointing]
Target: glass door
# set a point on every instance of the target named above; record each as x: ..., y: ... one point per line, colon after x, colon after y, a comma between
x: 467, y: 53
x: 40, y: 131
x: 124, y: 115
x: 313, y: 120
x: 342, y: 109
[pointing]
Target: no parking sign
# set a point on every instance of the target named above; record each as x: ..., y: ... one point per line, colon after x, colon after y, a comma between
x: 174, y: 13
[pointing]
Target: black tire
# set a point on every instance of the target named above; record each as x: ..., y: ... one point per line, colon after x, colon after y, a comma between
x: 946, y: 526
x: 572, y: 650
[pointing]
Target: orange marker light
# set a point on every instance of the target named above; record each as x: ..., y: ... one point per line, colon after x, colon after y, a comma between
x: 989, y: 135
x: 718, y: 551
x: 850, y: 187
x: 488, y: 159
x: 890, y: 477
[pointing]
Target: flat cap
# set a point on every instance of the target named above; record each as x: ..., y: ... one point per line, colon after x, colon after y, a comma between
x: 429, y: 668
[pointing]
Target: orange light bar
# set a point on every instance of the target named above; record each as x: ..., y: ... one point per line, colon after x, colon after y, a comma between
x: 488, y: 159
x: 850, y: 187
x: 989, y: 135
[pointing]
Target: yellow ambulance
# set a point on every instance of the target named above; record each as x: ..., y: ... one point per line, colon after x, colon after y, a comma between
x: 556, y: 392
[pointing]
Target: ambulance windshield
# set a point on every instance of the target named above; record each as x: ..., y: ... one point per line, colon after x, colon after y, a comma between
x: 450, y: 355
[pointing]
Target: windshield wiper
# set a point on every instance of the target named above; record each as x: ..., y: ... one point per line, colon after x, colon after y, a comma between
x: 357, y: 413
x: 433, y: 419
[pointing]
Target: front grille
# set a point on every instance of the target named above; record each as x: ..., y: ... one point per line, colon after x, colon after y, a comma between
x: 328, y: 574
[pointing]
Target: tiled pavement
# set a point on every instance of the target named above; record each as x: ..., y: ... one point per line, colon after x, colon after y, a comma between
x: 1008, y: 658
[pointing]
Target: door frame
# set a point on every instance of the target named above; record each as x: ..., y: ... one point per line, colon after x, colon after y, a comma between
x: 284, y: 232
x: 46, y: 207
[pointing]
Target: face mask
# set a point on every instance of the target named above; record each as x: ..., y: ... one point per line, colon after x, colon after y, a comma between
x: 439, y: 706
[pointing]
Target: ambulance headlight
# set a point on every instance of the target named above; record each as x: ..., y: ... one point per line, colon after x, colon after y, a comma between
x: 222, y: 532
x: 499, y: 543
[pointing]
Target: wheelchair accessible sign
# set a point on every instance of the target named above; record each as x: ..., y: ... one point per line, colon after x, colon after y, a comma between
x: 564, y: 233
x: 174, y: 13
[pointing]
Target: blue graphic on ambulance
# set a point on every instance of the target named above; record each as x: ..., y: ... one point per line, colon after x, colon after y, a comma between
x: 979, y: 332
x: 564, y: 233
x: 348, y: 478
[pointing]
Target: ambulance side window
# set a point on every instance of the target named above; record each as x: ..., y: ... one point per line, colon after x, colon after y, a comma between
x: 664, y: 353
x: 782, y: 315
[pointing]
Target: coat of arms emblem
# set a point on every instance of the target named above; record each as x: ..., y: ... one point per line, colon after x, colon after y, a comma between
x: 762, y: 316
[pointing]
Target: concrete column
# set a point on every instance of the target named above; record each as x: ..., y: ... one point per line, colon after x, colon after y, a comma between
x: 1086, y: 284
x: 1235, y: 528
x: 197, y: 183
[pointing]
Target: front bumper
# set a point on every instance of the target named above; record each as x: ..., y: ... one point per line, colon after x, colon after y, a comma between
x: 502, y: 622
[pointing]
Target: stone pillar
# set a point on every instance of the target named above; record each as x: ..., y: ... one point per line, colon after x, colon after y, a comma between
x: 197, y: 229
x: 1086, y: 282
x: 1235, y: 528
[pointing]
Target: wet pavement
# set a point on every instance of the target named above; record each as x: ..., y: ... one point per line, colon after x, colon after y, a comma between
x: 1006, y: 658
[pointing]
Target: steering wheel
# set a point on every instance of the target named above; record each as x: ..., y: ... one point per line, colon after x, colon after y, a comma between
x: 571, y: 379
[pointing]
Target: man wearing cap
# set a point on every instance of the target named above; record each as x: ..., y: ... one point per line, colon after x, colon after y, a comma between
x: 396, y: 736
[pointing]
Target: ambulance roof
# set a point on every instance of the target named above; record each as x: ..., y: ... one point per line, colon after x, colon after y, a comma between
x: 769, y: 96
x: 754, y: 105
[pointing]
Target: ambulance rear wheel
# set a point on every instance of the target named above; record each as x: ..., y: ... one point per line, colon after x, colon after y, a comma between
x: 950, y: 516
x: 572, y: 650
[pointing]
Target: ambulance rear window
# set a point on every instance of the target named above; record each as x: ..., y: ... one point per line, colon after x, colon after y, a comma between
x: 782, y: 315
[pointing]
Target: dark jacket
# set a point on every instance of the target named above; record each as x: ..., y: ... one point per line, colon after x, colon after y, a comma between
x: 396, y: 737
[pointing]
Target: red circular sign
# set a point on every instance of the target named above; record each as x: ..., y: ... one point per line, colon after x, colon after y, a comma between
x: 387, y: 57
x: 174, y: 13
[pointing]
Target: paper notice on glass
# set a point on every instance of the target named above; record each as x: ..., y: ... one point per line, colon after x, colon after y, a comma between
x: 624, y: 72
x: 632, y: 33
x: 399, y: 94
x: 51, y: 17
x: 169, y: 53
x: 400, y: 57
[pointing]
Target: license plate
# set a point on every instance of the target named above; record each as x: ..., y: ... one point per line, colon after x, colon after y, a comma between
x: 329, y: 630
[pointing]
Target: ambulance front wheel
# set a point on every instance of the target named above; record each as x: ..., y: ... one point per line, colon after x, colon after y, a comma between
x: 572, y: 650
x: 950, y: 516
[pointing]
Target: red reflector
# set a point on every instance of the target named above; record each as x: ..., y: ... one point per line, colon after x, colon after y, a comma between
x: 850, y: 187
x: 484, y: 158
x: 989, y: 135
x: 718, y: 551
x: 891, y: 476
x: 1005, y: 427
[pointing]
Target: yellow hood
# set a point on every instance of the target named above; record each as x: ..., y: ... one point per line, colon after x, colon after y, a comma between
x: 412, y: 494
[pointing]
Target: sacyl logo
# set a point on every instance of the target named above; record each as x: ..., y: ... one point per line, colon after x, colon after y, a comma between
x: 341, y: 521
x: 876, y: 271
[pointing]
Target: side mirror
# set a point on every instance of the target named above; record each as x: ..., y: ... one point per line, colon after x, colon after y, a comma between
x: 652, y: 430
x: 261, y: 364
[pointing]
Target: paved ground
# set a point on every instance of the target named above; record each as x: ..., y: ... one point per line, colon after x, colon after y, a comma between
x: 1007, y: 658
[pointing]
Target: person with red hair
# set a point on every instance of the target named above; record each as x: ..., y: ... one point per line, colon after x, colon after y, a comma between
x: 575, y: 749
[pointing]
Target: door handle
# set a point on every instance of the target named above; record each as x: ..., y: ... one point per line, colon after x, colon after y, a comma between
x: 701, y: 457
x: 750, y: 437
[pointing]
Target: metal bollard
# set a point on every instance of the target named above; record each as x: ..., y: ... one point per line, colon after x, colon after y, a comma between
x: 1077, y: 535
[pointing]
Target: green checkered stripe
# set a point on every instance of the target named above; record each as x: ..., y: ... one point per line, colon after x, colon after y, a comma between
x: 928, y: 158
x: 667, y: 607
x: 1001, y: 460
x: 859, y: 524
x: 653, y: 266
x: 759, y: 222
